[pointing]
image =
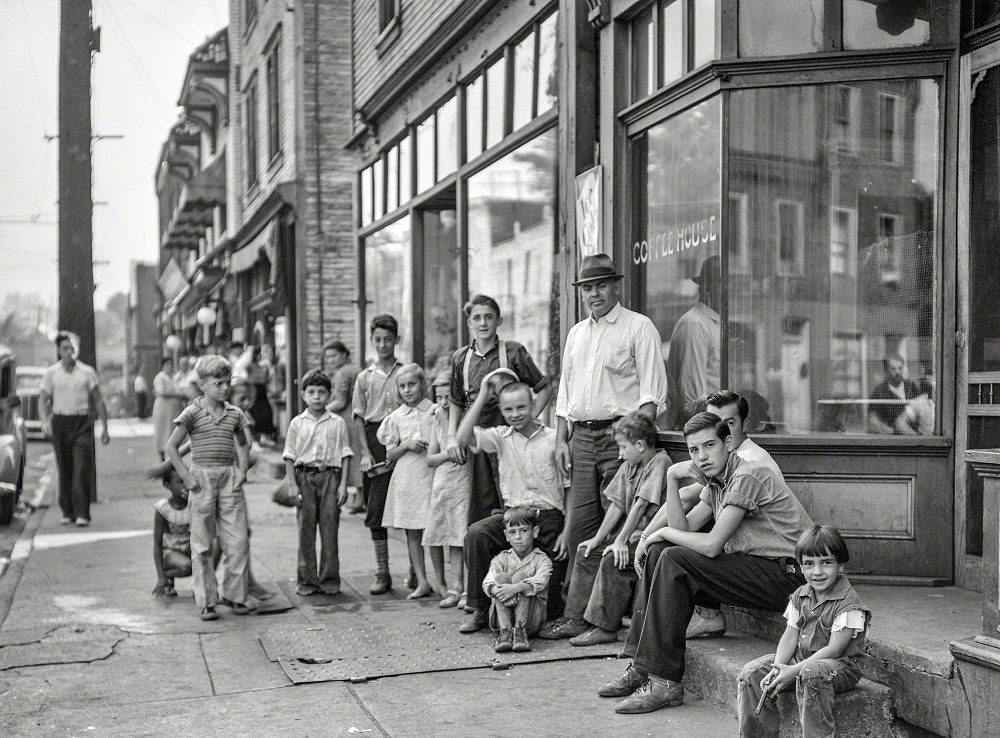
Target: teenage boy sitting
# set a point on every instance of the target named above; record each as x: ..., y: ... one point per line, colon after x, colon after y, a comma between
x: 600, y: 589
x: 517, y: 583
x: 746, y: 559
x: 529, y: 478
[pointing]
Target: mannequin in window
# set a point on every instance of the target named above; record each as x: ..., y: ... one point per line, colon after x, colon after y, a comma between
x: 896, y: 390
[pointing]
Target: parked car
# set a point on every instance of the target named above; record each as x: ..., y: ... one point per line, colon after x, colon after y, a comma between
x: 28, y: 380
x: 13, y: 438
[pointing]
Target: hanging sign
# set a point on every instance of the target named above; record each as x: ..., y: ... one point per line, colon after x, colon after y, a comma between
x: 588, y: 212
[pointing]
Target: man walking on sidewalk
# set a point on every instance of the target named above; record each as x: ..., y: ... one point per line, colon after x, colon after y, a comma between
x: 68, y: 391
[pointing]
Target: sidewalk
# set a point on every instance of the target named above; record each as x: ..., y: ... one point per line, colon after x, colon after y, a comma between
x: 85, y: 650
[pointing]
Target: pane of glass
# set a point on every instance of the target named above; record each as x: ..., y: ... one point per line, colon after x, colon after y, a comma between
x: 834, y: 327
x: 447, y: 138
x: 643, y: 56
x: 378, y: 170
x: 704, y: 32
x: 366, y: 196
x: 986, y: 12
x: 524, y: 81
x: 676, y: 254
x: 388, y: 280
x: 869, y: 25
x: 672, y: 25
x: 772, y: 27
x: 512, y: 242
x: 548, y: 78
x: 440, y: 287
x: 425, y: 155
x: 474, y: 118
x: 392, y: 179
x: 984, y: 204
x: 496, y: 76
x: 405, y: 176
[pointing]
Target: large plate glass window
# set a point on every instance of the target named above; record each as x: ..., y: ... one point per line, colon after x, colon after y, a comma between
x: 440, y: 285
x: 388, y: 279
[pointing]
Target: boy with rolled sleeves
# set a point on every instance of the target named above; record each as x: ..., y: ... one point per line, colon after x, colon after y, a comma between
x: 317, y: 462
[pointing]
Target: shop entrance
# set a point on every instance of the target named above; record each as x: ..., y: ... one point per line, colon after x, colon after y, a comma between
x: 438, y: 291
x: 978, y: 371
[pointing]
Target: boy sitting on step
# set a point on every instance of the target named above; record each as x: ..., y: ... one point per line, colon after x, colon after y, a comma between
x: 818, y: 651
x: 517, y: 583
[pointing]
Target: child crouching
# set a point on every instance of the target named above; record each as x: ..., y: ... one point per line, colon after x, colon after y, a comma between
x: 517, y: 583
x: 171, y: 533
x: 818, y: 651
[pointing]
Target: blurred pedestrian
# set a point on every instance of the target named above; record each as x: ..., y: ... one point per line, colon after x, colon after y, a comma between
x: 168, y: 401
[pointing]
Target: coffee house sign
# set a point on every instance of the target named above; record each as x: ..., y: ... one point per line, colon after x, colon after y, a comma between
x: 676, y: 240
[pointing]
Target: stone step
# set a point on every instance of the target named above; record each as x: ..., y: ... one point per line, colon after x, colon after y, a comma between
x: 713, y: 666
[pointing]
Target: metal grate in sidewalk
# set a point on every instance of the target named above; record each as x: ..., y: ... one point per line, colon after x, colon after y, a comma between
x: 315, y: 654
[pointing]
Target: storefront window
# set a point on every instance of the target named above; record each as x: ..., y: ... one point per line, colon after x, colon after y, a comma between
x: 447, y: 138
x: 676, y: 253
x: 392, y: 179
x: 775, y: 27
x: 869, y: 25
x: 378, y: 185
x: 524, y: 81
x: 425, y: 155
x: 474, y: 118
x: 548, y: 79
x: 672, y: 25
x: 643, y: 56
x: 441, y: 288
x: 496, y: 76
x: 366, y: 196
x: 704, y: 31
x: 512, y: 240
x: 405, y: 176
x: 832, y: 330
x: 388, y: 279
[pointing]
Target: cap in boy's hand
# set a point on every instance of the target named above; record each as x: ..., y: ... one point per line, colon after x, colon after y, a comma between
x: 500, y: 378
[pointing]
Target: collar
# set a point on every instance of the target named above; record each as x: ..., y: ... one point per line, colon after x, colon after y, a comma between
x: 727, y: 474
x: 374, y: 368
x: 531, y: 554
x: 837, y: 592
x: 422, y: 406
x: 708, y: 312
x: 507, y: 431
x: 309, y: 416
x: 612, y: 315
x: 474, y: 347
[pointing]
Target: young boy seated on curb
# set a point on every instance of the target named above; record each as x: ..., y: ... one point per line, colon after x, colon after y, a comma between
x: 517, y: 583
x: 317, y: 459
x: 818, y: 651
x: 526, y: 456
x: 603, y: 580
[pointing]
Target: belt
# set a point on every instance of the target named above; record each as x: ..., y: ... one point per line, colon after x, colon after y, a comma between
x: 320, y: 469
x: 80, y: 414
x: 597, y: 424
x: 536, y: 510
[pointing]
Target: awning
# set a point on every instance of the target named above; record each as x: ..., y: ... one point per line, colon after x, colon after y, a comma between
x: 249, y: 255
x: 203, y: 192
x: 205, y: 280
x: 171, y: 281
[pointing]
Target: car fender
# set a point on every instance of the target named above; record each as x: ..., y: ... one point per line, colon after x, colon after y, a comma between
x: 10, y: 461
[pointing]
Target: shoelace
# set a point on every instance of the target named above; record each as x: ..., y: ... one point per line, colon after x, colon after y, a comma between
x: 646, y: 686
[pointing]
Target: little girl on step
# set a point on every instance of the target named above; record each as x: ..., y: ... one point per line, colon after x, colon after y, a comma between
x: 405, y: 433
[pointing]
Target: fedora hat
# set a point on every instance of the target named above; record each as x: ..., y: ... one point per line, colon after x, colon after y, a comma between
x: 596, y: 268
x: 711, y: 270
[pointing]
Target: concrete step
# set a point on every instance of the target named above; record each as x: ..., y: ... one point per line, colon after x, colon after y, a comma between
x: 713, y: 666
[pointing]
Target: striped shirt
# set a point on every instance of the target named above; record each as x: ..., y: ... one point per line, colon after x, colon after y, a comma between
x: 213, y: 440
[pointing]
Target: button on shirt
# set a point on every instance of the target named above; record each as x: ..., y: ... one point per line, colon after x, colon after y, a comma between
x: 376, y: 394
x: 69, y: 390
x: 313, y: 441
x: 611, y: 366
x: 528, y: 473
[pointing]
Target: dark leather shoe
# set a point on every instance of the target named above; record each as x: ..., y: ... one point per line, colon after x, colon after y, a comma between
x: 654, y: 694
x: 505, y: 641
x: 476, y: 621
x: 623, y: 685
x: 563, y: 628
x: 209, y: 613
x: 521, y: 643
x: 381, y: 585
x: 593, y: 637
x: 710, y: 627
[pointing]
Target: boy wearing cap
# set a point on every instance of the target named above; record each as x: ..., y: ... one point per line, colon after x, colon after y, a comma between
x: 612, y: 366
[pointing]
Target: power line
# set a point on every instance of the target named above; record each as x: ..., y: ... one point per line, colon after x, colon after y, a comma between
x: 134, y: 59
x: 163, y: 25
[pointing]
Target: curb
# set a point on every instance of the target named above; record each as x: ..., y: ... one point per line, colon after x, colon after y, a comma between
x: 11, y: 576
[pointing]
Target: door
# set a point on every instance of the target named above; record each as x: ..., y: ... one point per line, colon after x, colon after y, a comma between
x: 978, y: 370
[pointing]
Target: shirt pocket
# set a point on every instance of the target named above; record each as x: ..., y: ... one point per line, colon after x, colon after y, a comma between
x: 617, y: 359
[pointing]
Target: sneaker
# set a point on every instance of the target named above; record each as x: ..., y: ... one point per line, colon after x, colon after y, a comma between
x: 624, y: 684
x: 710, y: 627
x: 65, y: 520
x: 563, y: 628
x: 476, y: 621
x: 521, y: 643
x: 505, y: 641
x: 381, y: 585
x: 82, y: 522
x: 305, y: 590
x: 593, y: 637
x: 209, y: 613
x: 653, y: 694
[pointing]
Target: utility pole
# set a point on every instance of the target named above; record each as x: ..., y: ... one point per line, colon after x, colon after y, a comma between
x: 77, y: 41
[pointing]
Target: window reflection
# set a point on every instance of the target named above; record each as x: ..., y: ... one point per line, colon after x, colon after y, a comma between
x: 447, y: 138
x: 704, y: 32
x: 548, y: 79
x: 496, y: 75
x: 772, y: 27
x: 440, y: 285
x: 388, y: 280
x: 643, y: 56
x: 379, y: 188
x: 474, y: 118
x: 425, y: 155
x: 869, y: 25
x: 405, y: 174
x: 524, y: 81
x: 672, y: 25
x: 511, y: 241
x: 366, y: 196
x: 392, y: 179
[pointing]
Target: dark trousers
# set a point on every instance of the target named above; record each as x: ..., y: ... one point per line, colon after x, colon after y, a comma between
x: 600, y: 592
x: 595, y: 462
x: 484, y: 492
x: 73, y: 443
x: 318, y: 507
x: 140, y: 405
x: 486, y: 539
x: 675, y: 579
x: 376, y: 489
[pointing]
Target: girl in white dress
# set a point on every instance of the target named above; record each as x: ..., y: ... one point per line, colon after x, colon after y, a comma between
x: 405, y: 433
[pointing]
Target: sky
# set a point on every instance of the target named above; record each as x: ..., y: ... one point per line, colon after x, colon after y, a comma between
x: 136, y: 80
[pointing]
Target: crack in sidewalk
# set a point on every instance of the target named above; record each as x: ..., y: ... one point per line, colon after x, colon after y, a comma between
x: 111, y: 652
x: 364, y: 708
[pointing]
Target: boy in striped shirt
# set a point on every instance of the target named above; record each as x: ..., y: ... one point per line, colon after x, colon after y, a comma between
x: 219, y: 460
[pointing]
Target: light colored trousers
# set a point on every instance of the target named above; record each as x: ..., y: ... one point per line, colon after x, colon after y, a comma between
x: 218, y: 507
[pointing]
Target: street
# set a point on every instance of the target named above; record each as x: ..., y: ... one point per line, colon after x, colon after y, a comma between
x: 86, y: 651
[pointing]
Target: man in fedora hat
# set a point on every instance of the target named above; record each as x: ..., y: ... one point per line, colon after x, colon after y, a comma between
x: 612, y: 365
x: 693, y: 359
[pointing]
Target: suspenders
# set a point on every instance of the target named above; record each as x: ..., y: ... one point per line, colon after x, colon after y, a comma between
x: 466, y: 369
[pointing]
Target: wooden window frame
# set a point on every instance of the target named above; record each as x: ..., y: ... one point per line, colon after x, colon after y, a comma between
x: 251, y: 103
x: 272, y: 70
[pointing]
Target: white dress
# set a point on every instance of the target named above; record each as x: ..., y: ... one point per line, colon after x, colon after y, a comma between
x: 449, y: 505
x: 408, y: 499
x: 165, y: 409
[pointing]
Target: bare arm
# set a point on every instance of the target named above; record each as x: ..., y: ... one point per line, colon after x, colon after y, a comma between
x: 242, y: 457
x: 466, y: 434
x: 632, y: 520
x: 542, y: 399
x: 611, y: 518
x: 435, y: 454
x: 102, y: 413
x: 177, y: 438
x: 161, y: 578
x: 45, y: 412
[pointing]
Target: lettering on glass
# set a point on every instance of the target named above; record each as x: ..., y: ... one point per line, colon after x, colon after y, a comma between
x: 676, y: 240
